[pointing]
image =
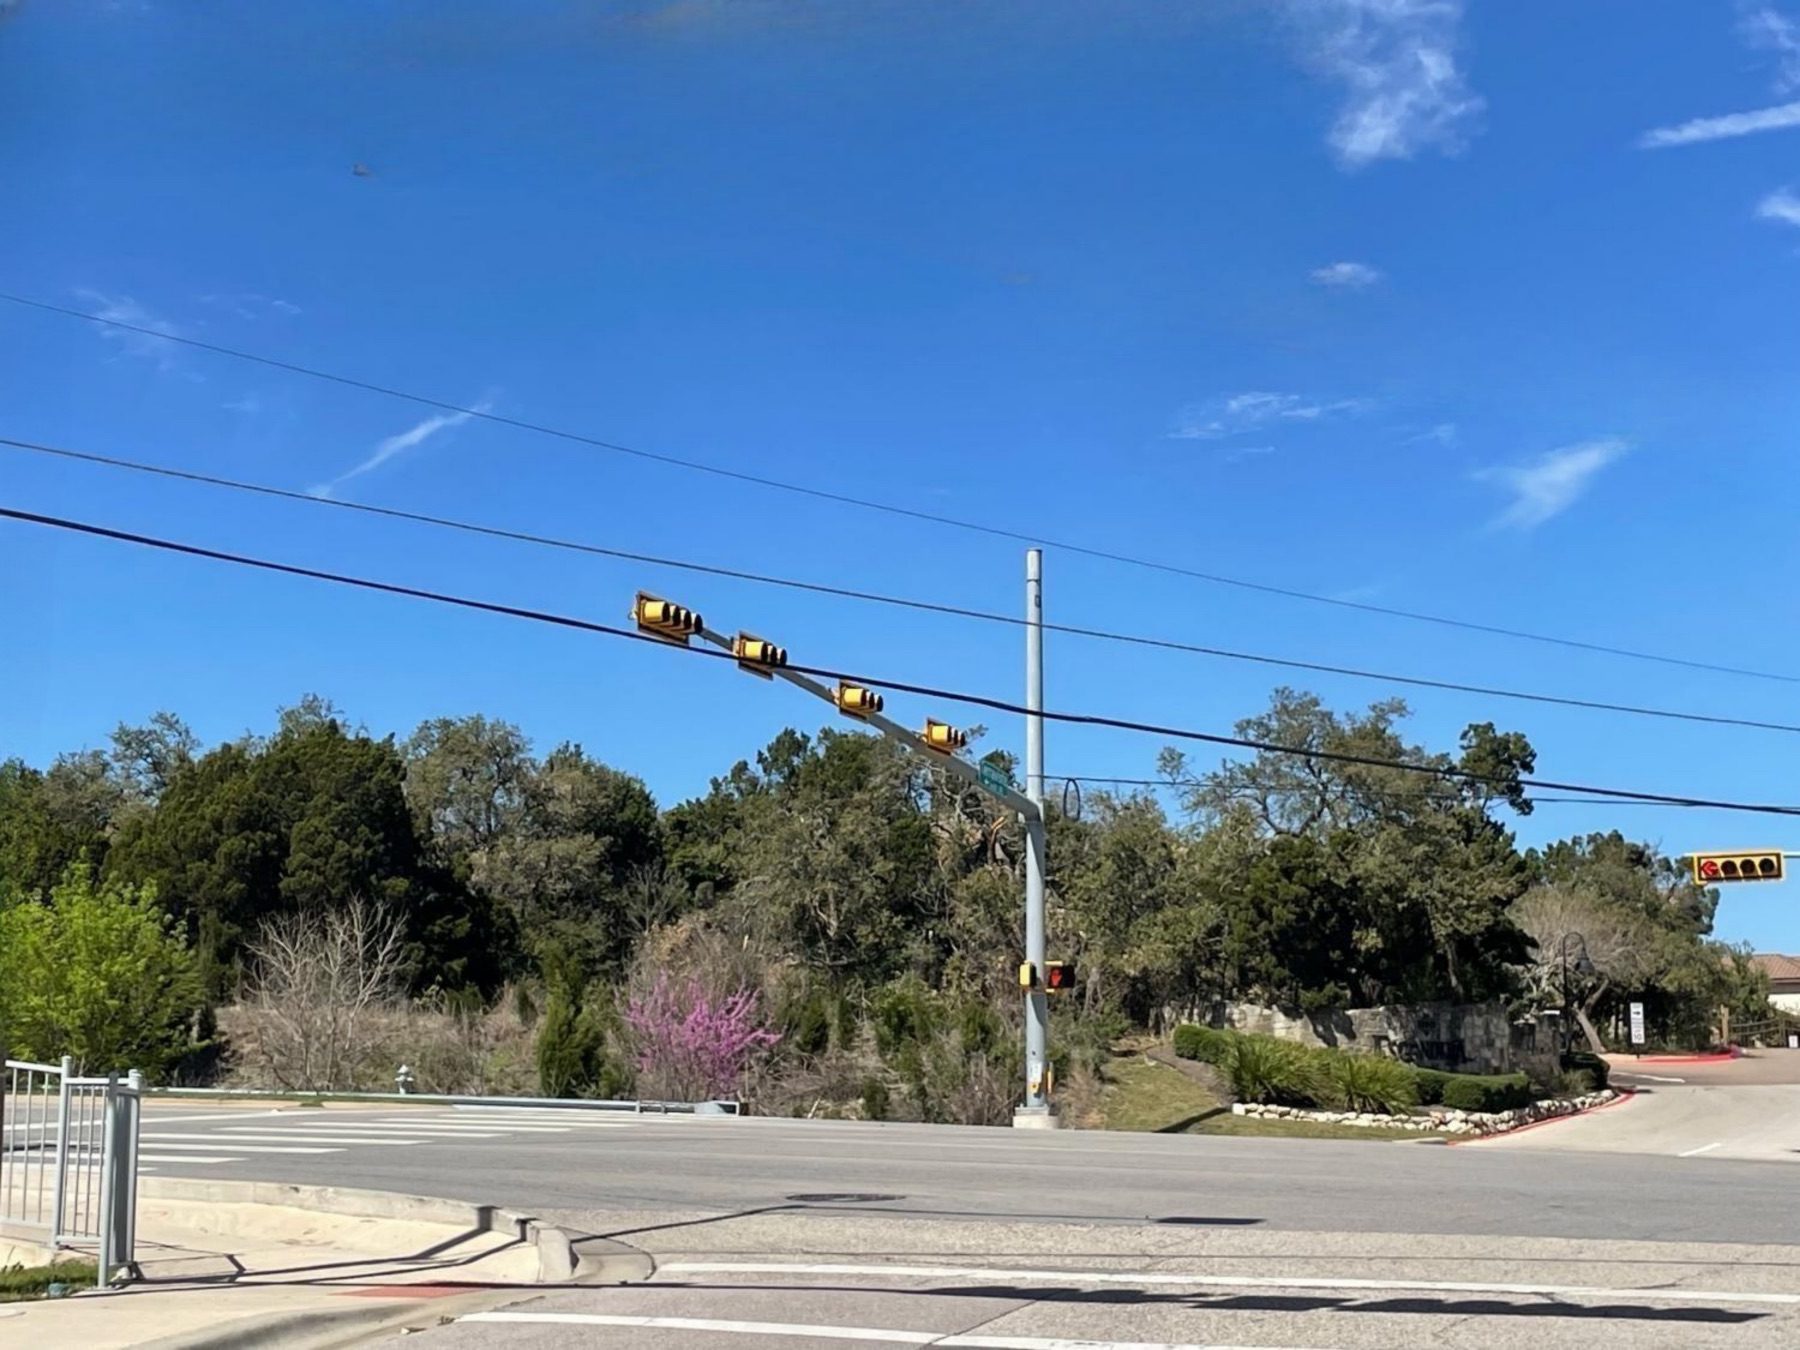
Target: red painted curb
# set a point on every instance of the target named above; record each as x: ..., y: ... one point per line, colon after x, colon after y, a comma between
x: 1625, y: 1095
x: 1736, y: 1052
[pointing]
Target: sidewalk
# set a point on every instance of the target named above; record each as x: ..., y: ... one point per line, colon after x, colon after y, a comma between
x: 255, y: 1264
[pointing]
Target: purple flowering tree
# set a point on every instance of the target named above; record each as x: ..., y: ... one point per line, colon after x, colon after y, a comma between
x: 693, y: 1045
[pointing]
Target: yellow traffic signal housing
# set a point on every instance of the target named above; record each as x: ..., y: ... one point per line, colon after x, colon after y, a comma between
x: 1059, y: 976
x: 665, y: 619
x: 1764, y: 864
x: 943, y: 738
x: 856, y: 701
x: 1027, y: 975
x: 757, y: 655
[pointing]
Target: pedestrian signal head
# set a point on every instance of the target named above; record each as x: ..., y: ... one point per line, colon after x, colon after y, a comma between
x: 857, y: 701
x: 1744, y: 865
x: 665, y: 619
x: 943, y: 737
x: 757, y: 655
x: 1059, y: 976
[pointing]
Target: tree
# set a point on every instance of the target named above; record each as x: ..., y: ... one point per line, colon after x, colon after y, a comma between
x: 96, y: 973
x: 321, y: 981
x: 146, y: 759
x: 692, y: 1044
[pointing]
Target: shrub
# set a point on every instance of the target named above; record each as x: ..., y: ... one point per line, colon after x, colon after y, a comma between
x: 1585, y: 1071
x: 1475, y: 1092
x: 1202, y: 1043
x: 1263, y: 1069
x: 1430, y: 1085
x: 1352, y: 1082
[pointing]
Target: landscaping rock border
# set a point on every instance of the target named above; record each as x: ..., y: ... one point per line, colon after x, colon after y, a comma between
x: 1437, y: 1118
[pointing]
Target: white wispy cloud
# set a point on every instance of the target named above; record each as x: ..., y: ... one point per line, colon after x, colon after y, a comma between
x: 1236, y: 414
x: 141, y: 338
x: 250, y: 305
x: 1781, y: 117
x: 1780, y: 205
x: 1551, y: 484
x: 249, y: 405
x: 1397, y: 62
x: 398, y: 444
x: 1767, y: 29
x: 1764, y: 28
x: 1444, y: 434
x: 1350, y: 276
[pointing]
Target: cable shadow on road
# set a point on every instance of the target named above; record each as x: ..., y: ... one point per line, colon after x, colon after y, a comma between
x: 1527, y: 1307
x: 890, y: 1209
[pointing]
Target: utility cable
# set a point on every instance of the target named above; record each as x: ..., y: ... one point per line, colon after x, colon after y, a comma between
x: 873, y: 597
x: 1186, y: 784
x: 888, y: 508
x: 924, y: 690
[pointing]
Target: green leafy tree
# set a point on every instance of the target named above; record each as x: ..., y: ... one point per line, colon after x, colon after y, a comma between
x: 96, y: 973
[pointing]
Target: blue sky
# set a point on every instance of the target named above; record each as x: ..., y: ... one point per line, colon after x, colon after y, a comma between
x: 1482, y: 310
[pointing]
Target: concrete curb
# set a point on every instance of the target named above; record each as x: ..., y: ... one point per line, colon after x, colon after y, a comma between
x: 1624, y: 1095
x: 562, y: 1259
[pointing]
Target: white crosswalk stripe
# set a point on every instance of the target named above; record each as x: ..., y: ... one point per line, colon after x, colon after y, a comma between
x: 239, y: 1136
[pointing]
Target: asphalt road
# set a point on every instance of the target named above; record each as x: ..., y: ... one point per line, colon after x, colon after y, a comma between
x: 788, y: 1233
x: 589, y: 1168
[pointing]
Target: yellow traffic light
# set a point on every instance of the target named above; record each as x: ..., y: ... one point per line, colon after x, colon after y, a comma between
x: 1765, y: 864
x: 665, y: 619
x: 943, y: 737
x: 757, y: 655
x: 856, y: 701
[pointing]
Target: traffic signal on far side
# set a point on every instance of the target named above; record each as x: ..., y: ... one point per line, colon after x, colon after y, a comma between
x: 757, y: 655
x: 665, y: 619
x: 943, y: 738
x: 1764, y: 864
x: 1059, y: 976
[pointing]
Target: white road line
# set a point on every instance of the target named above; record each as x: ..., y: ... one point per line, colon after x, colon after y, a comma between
x: 491, y: 1128
x: 422, y: 1131
x: 825, y: 1332
x: 213, y: 1141
x: 181, y: 1158
x: 1159, y: 1278
x: 1704, y: 1148
x: 289, y: 1137
x: 157, y: 1118
x: 1652, y: 1077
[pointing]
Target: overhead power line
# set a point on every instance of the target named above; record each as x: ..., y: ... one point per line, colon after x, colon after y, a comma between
x: 887, y: 508
x: 924, y: 690
x: 1184, y: 784
x: 873, y: 597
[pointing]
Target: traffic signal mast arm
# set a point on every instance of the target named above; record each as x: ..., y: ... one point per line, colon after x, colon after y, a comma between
x: 964, y: 770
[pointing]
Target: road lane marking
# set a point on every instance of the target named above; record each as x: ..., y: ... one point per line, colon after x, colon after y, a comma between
x: 290, y: 1137
x: 1704, y: 1148
x: 181, y: 1158
x: 491, y: 1128
x: 434, y: 1131
x: 1158, y: 1278
x: 825, y: 1332
x: 214, y: 1141
x: 1652, y: 1077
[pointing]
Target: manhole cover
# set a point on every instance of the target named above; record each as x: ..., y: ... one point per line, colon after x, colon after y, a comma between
x: 841, y: 1198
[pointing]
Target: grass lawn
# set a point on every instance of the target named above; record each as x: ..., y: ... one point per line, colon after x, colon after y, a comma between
x: 18, y: 1283
x: 1143, y: 1095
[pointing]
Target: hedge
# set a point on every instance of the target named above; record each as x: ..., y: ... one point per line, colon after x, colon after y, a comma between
x: 1339, y: 1079
x: 1481, y: 1092
x: 1202, y: 1043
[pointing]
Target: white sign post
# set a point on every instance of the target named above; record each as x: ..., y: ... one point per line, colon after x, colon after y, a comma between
x: 1637, y: 1024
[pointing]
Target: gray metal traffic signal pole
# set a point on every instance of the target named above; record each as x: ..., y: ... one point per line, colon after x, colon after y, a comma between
x: 1036, y: 1110
x: 961, y: 768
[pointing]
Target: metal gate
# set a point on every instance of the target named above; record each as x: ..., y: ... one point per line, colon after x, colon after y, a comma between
x: 68, y: 1159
